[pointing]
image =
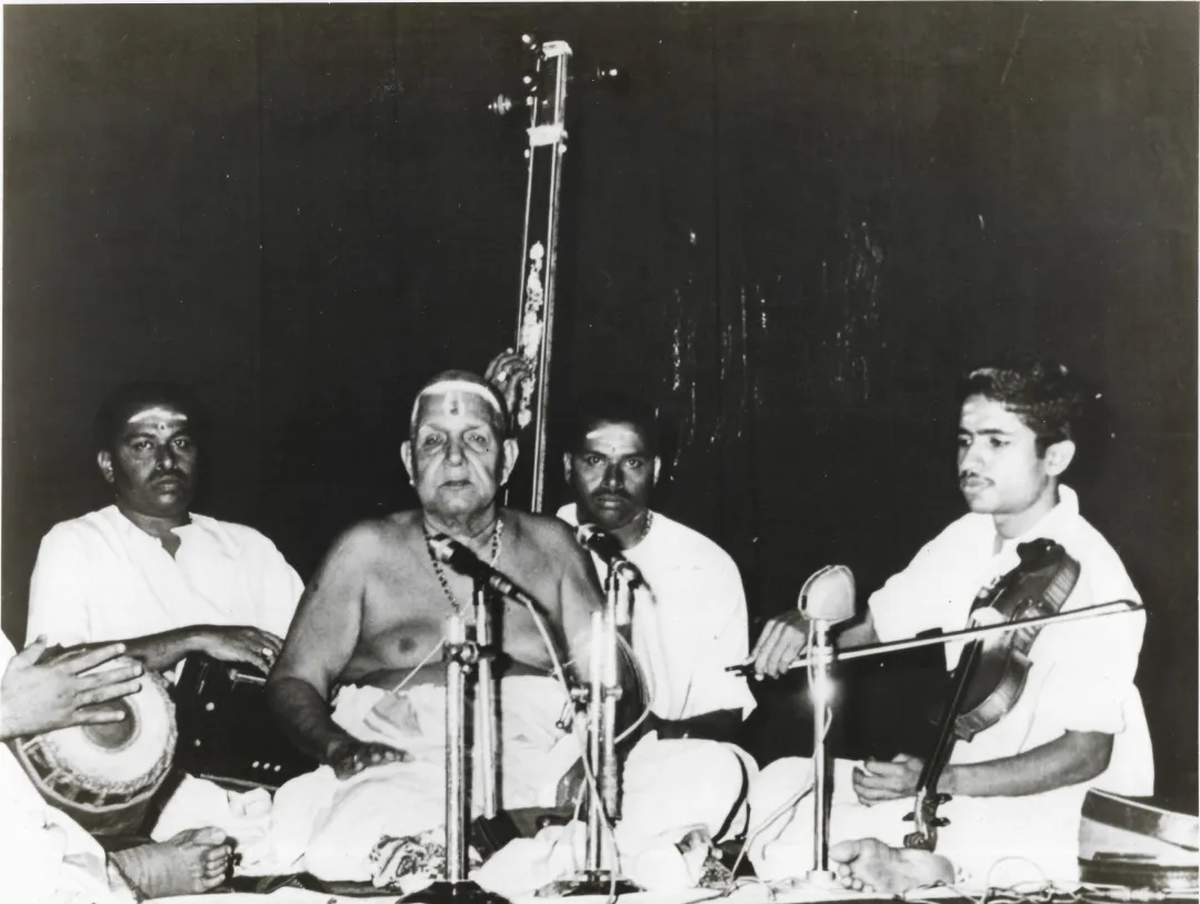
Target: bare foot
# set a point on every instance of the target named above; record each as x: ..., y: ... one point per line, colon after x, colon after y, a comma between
x: 192, y: 862
x: 870, y: 865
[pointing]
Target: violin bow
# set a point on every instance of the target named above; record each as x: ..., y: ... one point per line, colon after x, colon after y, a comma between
x: 1115, y: 607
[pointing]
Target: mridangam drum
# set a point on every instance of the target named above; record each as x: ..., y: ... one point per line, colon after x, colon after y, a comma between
x: 104, y: 775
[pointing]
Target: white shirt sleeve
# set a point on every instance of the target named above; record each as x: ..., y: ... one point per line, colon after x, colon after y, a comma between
x: 722, y: 639
x: 59, y: 591
x: 1090, y: 665
x: 897, y: 607
x: 279, y: 592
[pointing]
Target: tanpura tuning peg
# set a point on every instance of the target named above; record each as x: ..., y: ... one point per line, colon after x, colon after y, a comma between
x: 941, y: 821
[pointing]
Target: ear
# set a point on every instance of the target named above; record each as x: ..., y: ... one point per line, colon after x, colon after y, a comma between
x: 657, y: 467
x: 1059, y: 456
x: 568, y: 469
x: 511, y: 449
x: 406, y: 456
x: 104, y: 463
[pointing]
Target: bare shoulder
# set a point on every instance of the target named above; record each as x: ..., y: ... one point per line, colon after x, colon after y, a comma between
x: 373, y: 538
x: 544, y: 532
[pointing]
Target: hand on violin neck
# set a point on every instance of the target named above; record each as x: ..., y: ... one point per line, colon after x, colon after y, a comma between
x: 876, y: 781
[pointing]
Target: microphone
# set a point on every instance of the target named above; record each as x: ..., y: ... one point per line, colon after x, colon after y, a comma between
x: 826, y: 598
x: 601, y: 542
x: 450, y: 552
x: 828, y: 595
x: 606, y: 546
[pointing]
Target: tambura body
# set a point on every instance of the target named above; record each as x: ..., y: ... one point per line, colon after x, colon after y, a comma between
x: 104, y: 776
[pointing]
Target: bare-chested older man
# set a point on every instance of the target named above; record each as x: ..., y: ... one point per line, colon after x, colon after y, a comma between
x: 366, y: 636
x: 377, y: 607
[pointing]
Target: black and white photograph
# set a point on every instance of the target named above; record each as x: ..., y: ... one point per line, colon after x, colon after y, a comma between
x: 470, y: 453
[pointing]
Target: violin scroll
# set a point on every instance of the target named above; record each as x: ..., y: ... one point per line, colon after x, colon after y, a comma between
x: 925, y: 820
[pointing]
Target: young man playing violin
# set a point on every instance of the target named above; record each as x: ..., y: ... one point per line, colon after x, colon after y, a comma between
x: 1017, y: 786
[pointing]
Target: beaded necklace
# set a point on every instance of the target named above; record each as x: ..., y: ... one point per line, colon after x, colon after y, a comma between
x: 497, y: 531
x: 645, y: 529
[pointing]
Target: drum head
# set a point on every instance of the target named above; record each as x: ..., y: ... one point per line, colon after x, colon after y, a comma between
x: 97, y: 767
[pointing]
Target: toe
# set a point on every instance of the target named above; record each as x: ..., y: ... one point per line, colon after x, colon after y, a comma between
x: 209, y: 835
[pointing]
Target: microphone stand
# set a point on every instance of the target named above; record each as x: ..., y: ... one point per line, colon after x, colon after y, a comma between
x: 821, y: 689
x: 462, y: 656
x: 604, y: 799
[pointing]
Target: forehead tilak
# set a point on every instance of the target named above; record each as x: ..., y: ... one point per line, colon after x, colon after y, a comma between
x: 613, y: 436
x: 164, y: 415
x: 455, y: 397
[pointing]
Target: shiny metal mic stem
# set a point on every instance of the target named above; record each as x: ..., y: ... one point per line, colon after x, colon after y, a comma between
x: 456, y: 740
x: 485, y: 704
x: 821, y: 700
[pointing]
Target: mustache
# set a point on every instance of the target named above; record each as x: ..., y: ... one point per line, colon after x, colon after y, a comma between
x: 964, y: 476
x: 612, y: 494
x: 178, y: 475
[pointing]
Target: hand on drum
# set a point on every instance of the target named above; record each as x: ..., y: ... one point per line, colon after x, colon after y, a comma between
x: 781, y: 643
x: 240, y: 643
x: 506, y: 372
x: 351, y: 756
x: 876, y: 781
x: 40, y: 696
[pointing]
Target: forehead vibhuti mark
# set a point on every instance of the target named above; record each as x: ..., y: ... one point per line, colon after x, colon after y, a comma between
x: 615, y: 439
x: 454, y: 398
x: 158, y: 419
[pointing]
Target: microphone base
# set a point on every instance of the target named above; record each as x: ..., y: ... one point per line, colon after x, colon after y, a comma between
x: 589, y: 882
x: 822, y: 879
x: 446, y: 892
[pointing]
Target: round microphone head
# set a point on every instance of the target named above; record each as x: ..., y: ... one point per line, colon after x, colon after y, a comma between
x: 828, y: 595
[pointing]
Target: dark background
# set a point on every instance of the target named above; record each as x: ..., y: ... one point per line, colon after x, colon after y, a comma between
x: 793, y: 230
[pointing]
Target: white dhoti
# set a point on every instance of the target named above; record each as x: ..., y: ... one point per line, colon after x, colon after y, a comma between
x: 46, y: 856
x: 678, y: 796
x: 330, y: 827
x: 1016, y: 839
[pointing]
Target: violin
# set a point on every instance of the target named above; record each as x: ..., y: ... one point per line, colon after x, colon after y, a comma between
x: 992, y: 671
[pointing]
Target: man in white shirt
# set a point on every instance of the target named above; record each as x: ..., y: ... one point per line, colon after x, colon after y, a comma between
x: 1016, y: 787
x: 148, y: 571
x: 689, y: 617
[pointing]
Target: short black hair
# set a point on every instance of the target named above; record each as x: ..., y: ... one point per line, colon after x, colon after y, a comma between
x: 1046, y: 396
x: 129, y: 398
x: 611, y: 406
